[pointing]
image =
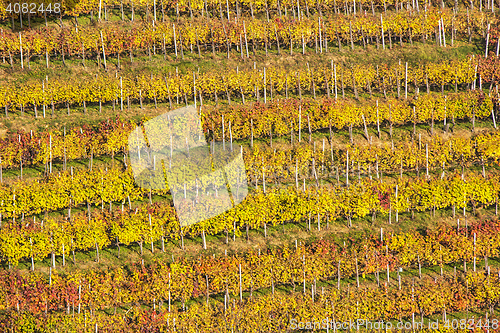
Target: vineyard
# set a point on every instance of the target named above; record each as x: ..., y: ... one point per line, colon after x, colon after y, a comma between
x: 249, y: 166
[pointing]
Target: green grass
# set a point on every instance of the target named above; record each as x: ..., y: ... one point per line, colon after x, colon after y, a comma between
x: 463, y: 128
x: 142, y: 65
x: 283, y: 234
x: 77, y: 117
x: 416, y: 54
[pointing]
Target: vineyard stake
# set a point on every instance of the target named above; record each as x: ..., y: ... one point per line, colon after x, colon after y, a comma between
x: 496, y: 207
x: 223, y: 135
x: 175, y: 39
x: 335, y: 77
x: 300, y: 119
x: 320, y: 38
x: 493, y: 117
x: 482, y: 165
x: 397, y: 211
x: 347, y: 169
x: 251, y: 126
x: 154, y: 12
x: 350, y: 34
x: 426, y: 160
x: 264, y: 83
x: 406, y: 80
x: 419, y: 267
x: 21, y: 49
x: 474, y: 251
x: 204, y: 240
x: 378, y: 123
x: 241, y: 290
x: 366, y: 130
x: 246, y: 41
x: 382, y: 27
x: 277, y: 40
x: 97, y: 250
x: 443, y: 32
x: 31, y: 252
x: 103, y: 53
x: 50, y: 152
x: 485, y: 51
x: 121, y: 94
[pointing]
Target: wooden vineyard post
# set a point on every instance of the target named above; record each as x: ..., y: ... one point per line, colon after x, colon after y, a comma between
x: 414, y: 123
x: 485, y: 51
x: 97, y: 250
x: 378, y: 121
x: 382, y: 27
x: 493, y: 117
x: 320, y: 37
x: 347, y: 169
x: 121, y: 94
x: 397, y: 81
x: 350, y: 34
x: 50, y: 153
x: 21, y: 50
x: 31, y: 255
x: 482, y: 165
x: 335, y: 79
x: 427, y: 160
x: 397, y: 211
x: 63, y: 256
x: 264, y: 84
x: 246, y: 41
x: 175, y: 41
x: 182, y: 239
x: 251, y: 127
x: 300, y: 122
x: 277, y: 39
x: 365, y: 128
x: 342, y: 82
x: 204, y: 239
x: 103, y: 53
x: 240, y: 284
x: 223, y: 134
x: 419, y: 267
x: 406, y: 80
x: 474, y: 252
x: 304, y: 273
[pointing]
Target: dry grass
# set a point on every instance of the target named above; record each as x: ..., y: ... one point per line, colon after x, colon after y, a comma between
x: 415, y: 54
